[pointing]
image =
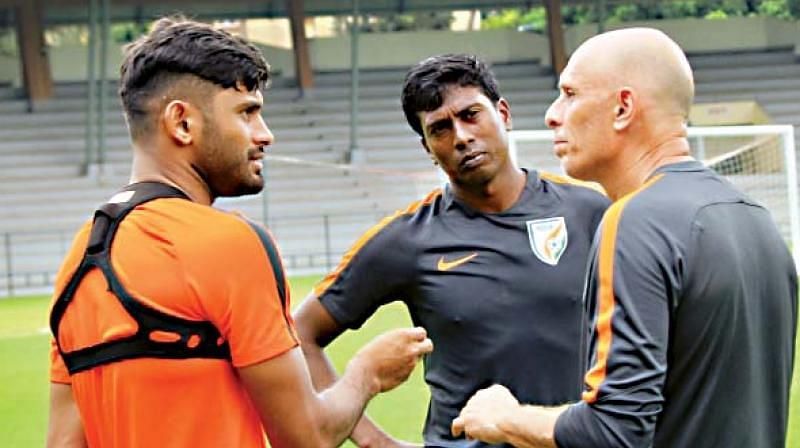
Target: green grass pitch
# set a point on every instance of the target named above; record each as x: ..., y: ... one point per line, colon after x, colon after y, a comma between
x: 24, y: 363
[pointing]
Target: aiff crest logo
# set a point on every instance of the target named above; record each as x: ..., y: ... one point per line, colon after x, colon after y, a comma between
x: 548, y: 238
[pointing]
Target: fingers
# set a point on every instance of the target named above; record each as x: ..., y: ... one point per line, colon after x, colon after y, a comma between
x: 457, y: 428
x: 416, y: 339
x: 424, y: 345
x: 391, y: 357
x: 416, y: 333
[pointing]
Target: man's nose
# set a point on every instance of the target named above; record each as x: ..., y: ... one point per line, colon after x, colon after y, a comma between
x: 262, y: 136
x: 551, y: 118
x: 463, y: 135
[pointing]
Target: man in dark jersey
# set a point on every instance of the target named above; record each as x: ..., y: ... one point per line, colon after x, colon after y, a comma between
x: 691, y: 290
x: 491, y: 266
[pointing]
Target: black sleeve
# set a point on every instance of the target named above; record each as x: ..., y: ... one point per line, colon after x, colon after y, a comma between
x: 631, y: 282
x: 378, y: 269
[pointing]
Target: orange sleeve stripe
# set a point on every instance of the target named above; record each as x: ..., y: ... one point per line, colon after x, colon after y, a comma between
x: 556, y: 178
x: 326, y: 282
x: 606, y: 298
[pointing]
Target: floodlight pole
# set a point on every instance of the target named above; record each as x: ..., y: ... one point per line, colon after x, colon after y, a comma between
x: 90, y: 86
x: 354, y: 155
x: 102, y: 98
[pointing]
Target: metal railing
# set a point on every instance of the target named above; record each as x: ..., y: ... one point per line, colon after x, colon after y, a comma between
x: 309, y: 244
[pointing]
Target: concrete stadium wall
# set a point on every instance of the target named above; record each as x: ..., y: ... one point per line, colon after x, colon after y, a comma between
x: 404, y: 49
x: 698, y: 35
x: 9, y: 70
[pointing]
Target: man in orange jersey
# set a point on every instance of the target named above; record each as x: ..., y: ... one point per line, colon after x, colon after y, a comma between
x: 491, y: 266
x: 171, y: 318
x: 691, y: 289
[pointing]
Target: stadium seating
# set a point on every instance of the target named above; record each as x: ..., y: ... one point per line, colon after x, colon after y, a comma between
x: 316, y: 205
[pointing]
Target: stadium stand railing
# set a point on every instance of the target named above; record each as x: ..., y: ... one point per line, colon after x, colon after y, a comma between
x: 315, y: 208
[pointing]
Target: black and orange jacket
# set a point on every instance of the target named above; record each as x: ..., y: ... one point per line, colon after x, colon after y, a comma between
x: 693, y: 294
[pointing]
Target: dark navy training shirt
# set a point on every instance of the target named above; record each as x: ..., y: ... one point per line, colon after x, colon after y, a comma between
x: 499, y: 294
x: 694, y: 299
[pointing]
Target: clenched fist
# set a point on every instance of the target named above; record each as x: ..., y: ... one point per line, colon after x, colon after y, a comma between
x: 390, y: 358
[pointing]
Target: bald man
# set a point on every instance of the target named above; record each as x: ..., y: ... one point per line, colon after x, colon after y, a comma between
x: 691, y: 291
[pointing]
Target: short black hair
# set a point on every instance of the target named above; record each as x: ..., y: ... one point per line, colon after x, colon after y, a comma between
x: 426, y: 83
x: 177, y: 48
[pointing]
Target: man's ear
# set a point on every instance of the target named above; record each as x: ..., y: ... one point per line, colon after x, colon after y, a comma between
x: 504, y: 109
x: 428, y: 150
x: 180, y: 121
x: 424, y: 144
x: 624, y: 108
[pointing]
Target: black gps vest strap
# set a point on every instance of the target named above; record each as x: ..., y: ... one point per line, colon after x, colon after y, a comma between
x: 275, y: 262
x: 194, y: 339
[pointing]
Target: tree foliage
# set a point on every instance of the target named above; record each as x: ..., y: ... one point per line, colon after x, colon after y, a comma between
x: 415, y: 21
x: 535, y: 19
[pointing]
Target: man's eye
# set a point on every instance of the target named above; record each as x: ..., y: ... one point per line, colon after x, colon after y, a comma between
x: 437, y: 130
x: 250, y: 112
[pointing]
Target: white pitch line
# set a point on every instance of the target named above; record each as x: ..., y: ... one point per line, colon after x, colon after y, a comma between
x: 37, y: 332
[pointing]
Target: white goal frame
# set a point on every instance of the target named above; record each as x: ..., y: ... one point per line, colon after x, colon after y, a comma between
x: 786, y: 133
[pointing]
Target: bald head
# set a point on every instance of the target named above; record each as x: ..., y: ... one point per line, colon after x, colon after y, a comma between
x: 645, y: 59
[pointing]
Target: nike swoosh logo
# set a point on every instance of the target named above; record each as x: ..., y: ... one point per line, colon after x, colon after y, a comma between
x: 447, y: 265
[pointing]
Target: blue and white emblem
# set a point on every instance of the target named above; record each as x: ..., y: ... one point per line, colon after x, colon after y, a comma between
x: 548, y: 238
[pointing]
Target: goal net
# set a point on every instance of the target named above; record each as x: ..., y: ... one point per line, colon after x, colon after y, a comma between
x: 759, y: 160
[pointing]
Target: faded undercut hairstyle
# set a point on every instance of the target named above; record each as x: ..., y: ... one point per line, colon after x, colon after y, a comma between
x: 177, y: 50
x: 427, y: 82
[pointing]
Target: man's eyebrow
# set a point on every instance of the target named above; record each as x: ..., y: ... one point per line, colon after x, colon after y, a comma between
x: 250, y: 105
x: 468, y: 107
x: 437, y: 123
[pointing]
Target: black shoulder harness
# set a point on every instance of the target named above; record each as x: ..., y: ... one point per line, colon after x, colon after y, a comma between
x: 198, y: 339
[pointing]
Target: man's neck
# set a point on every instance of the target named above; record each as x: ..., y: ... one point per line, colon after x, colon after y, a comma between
x: 633, y: 171
x: 497, y: 195
x: 150, y: 166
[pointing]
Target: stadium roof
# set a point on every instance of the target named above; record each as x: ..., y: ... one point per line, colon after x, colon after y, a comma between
x: 76, y: 11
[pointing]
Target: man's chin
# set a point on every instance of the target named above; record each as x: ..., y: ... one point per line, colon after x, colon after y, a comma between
x: 253, y: 188
x: 244, y: 189
x: 571, y: 169
x: 575, y: 173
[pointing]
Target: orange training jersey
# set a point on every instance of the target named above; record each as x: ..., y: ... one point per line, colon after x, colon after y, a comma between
x: 197, y: 263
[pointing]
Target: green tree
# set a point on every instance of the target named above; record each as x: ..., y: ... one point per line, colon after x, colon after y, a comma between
x: 504, y: 18
x: 536, y: 19
x: 777, y: 8
x: 533, y: 19
x: 434, y: 20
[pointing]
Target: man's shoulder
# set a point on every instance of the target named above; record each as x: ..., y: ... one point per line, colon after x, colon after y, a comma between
x: 588, y: 193
x: 587, y: 198
x: 404, y: 222
x: 653, y: 212
x: 203, y: 228
x: 426, y: 202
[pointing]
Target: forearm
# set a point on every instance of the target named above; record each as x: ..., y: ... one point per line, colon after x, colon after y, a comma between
x: 366, y: 433
x: 65, y: 428
x: 531, y: 427
x: 342, y: 404
x: 323, y: 374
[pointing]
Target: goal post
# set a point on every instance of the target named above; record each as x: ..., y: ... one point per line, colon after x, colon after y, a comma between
x: 760, y: 160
